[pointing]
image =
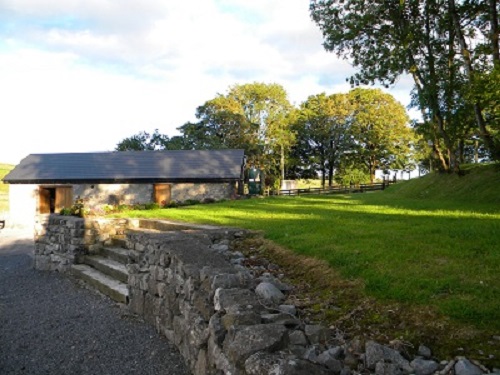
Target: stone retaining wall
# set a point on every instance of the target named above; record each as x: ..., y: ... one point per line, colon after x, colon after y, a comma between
x: 59, y: 240
x: 223, y: 318
x: 191, y: 288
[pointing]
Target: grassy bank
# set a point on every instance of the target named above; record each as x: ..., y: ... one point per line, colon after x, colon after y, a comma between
x: 427, y: 251
x: 4, y: 188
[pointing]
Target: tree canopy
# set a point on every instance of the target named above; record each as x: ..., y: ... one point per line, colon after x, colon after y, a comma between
x: 449, y: 47
x: 365, y: 129
x: 254, y: 117
x: 352, y: 134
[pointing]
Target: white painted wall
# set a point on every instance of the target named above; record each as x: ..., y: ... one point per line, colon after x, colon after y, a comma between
x: 23, y: 202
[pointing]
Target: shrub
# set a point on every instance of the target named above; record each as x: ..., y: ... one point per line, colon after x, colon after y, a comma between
x: 151, y: 206
x: 208, y: 200
x: 77, y: 209
x: 190, y: 202
x: 65, y: 211
x: 172, y: 204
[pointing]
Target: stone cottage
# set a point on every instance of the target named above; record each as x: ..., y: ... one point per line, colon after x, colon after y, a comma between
x: 45, y: 183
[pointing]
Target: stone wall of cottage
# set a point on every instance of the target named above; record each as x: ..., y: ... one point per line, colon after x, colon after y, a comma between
x: 201, y: 191
x: 99, y: 194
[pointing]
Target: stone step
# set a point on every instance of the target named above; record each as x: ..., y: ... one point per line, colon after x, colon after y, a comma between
x: 108, y: 266
x: 120, y: 242
x: 116, y: 253
x: 113, y: 288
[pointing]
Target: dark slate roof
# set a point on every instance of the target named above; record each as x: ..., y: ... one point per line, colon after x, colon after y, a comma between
x: 129, y: 166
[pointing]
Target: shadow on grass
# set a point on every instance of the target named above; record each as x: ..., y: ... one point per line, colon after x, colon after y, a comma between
x: 411, y: 251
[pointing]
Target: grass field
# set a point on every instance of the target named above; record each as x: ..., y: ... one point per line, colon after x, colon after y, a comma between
x: 4, y: 188
x: 429, y: 249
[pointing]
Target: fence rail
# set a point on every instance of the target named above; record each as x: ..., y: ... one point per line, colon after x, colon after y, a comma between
x: 335, y: 189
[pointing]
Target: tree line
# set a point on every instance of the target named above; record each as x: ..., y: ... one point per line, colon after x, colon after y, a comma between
x: 336, y: 135
x: 449, y: 47
x: 451, y: 50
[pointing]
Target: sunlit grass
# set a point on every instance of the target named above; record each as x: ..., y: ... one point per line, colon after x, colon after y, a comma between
x: 420, y: 252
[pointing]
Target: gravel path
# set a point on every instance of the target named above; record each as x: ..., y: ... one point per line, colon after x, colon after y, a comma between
x: 51, y: 325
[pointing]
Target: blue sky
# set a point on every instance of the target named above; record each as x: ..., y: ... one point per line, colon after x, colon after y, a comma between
x: 81, y: 75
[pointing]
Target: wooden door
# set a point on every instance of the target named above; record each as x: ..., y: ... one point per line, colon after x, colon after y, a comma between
x: 64, y: 198
x: 162, y: 194
x: 44, y: 201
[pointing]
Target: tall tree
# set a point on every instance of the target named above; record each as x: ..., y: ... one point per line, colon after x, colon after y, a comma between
x: 143, y: 141
x: 323, y: 128
x: 426, y: 39
x: 380, y: 129
x: 252, y: 116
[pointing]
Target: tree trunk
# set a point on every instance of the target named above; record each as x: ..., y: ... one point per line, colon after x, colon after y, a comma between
x: 488, y: 139
x: 494, y: 33
x: 445, y: 166
x: 371, y: 168
x: 282, y: 162
x: 461, y: 151
x: 330, y: 175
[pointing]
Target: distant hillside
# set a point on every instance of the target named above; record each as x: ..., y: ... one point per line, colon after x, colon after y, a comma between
x: 479, y: 183
x: 4, y: 169
x: 4, y: 188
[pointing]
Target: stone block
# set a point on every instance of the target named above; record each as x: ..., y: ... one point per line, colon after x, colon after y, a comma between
x: 298, y: 338
x: 242, y: 342
x: 281, y: 363
x: 198, y: 333
x: 240, y: 318
x: 316, y: 334
x: 216, y: 330
x: 202, y: 305
x: 375, y: 353
x: 180, y: 327
x: 144, y: 282
x: 201, y: 367
x: 136, y: 301
x: 149, y: 309
x: 465, y: 367
x: 424, y: 367
x: 217, y: 358
x: 382, y: 368
x: 232, y: 300
x: 288, y: 309
x: 152, y: 286
x: 328, y: 360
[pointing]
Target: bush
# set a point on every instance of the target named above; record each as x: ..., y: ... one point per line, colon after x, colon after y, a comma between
x: 77, y: 209
x: 208, y: 200
x: 65, y: 211
x: 352, y: 177
x: 151, y: 206
x: 172, y: 204
x: 190, y: 202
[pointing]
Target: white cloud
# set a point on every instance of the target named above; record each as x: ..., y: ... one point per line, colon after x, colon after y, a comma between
x: 80, y: 75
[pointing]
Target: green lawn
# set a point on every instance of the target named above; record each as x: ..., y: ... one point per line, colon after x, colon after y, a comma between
x: 404, y: 249
x: 433, y: 243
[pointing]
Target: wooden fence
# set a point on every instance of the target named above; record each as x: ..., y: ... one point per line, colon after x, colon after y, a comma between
x: 334, y: 189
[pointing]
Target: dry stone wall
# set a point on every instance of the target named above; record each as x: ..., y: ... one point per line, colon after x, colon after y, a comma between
x: 224, y: 319
x: 60, y: 240
x: 191, y: 288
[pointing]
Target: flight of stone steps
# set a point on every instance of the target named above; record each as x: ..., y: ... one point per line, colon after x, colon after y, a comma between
x: 106, y: 271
